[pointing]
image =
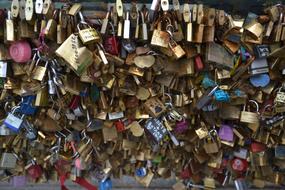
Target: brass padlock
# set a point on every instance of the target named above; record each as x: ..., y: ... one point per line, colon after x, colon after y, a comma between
x: 51, y: 27
x: 160, y: 38
x: 177, y: 49
x: 88, y: 35
x: 250, y: 117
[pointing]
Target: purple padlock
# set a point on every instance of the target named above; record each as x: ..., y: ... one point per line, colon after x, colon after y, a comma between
x: 226, y: 133
x: 19, y: 181
x: 181, y: 126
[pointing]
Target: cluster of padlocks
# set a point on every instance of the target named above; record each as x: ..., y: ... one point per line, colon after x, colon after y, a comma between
x: 171, y: 90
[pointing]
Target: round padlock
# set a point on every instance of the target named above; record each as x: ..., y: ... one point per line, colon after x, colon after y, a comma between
x: 20, y: 51
x: 239, y: 165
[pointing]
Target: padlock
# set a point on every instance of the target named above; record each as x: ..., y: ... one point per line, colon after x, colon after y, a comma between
x: 39, y: 72
x: 221, y: 96
x: 160, y: 38
x: 50, y: 30
x: 111, y: 43
x: 259, y: 66
x: 177, y: 49
x: 8, y: 160
x: 280, y: 97
x: 48, y: 8
x: 87, y: 35
x: 10, y: 28
x: 14, y: 122
x: 30, y: 131
x: 212, y: 144
x: 156, y: 129
x: 3, y: 69
x: 127, y: 26
x: 20, y: 51
x: 39, y: 4
x: 144, y: 31
x: 206, y: 98
x: 105, y: 23
x: 15, y: 7
x: 26, y: 105
x: 226, y: 133
x: 250, y: 117
x: 29, y: 10
x: 278, y: 31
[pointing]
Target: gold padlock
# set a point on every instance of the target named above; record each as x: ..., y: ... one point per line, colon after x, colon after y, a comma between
x: 250, y: 117
x: 177, y: 49
x: 88, y: 35
x: 160, y: 38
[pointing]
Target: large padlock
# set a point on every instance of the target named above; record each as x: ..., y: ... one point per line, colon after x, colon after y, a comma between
x: 248, y: 116
x: 88, y: 35
x: 14, y: 122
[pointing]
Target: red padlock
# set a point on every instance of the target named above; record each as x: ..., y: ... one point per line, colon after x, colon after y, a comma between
x: 239, y: 165
x: 186, y: 173
x: 74, y: 102
x: 120, y: 126
x: 199, y: 66
x: 35, y: 171
x: 257, y: 147
x: 111, y: 44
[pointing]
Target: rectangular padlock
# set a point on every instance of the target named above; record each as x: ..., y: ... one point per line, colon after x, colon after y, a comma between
x: 8, y: 161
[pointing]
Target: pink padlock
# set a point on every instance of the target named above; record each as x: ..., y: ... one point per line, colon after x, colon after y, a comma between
x: 20, y: 51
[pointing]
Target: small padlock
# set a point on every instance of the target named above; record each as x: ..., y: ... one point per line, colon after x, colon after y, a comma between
x: 280, y: 97
x: 111, y: 44
x: 88, y: 35
x: 39, y: 4
x: 226, y: 133
x: 144, y: 31
x: 206, y: 98
x: 14, y: 122
x: 250, y: 117
x: 211, y: 144
x: 177, y: 49
x: 127, y: 26
x: 3, y: 69
x: 10, y: 28
x: 40, y: 71
x: 51, y: 27
x: 8, y: 160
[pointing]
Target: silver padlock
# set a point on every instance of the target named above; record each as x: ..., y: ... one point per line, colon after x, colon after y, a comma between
x: 5, y: 131
x: 8, y: 160
x: 3, y: 69
x: 127, y: 26
x: 51, y: 85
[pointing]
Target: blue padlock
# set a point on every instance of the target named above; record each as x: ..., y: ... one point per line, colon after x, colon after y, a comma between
x: 207, y: 82
x: 26, y: 106
x: 141, y: 172
x: 221, y: 96
x: 105, y: 185
x: 94, y: 93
